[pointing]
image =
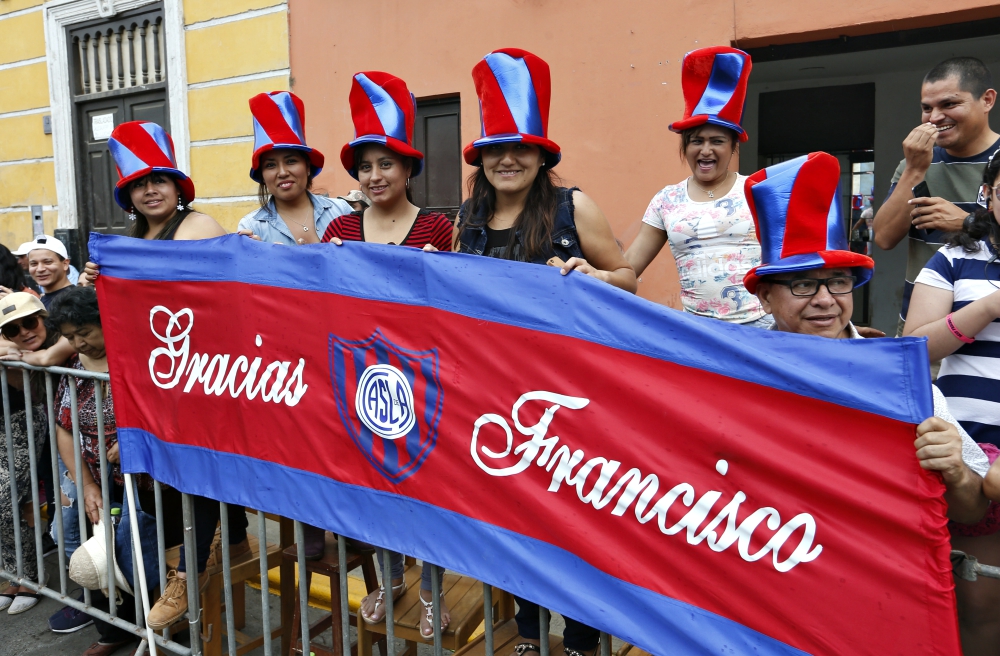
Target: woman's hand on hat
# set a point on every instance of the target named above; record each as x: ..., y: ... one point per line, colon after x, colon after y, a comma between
x: 92, y: 501
x: 248, y: 233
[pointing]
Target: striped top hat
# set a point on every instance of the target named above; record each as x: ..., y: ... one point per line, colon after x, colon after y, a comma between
x: 384, y: 111
x: 140, y: 148
x: 796, y: 207
x: 715, y: 88
x: 279, y: 121
x: 514, y: 89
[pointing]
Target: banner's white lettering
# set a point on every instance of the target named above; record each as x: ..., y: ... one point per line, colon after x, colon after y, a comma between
x: 214, y: 373
x: 571, y: 467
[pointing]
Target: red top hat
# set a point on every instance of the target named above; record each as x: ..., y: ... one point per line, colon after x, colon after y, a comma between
x: 514, y: 88
x: 279, y: 121
x: 384, y: 111
x: 715, y: 88
x: 796, y: 207
x: 140, y: 148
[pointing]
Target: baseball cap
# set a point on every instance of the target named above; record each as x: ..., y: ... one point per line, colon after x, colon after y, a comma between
x: 356, y: 196
x: 46, y: 242
x: 17, y: 305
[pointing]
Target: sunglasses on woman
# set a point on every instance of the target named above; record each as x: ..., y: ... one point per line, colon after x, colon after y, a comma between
x: 13, y: 329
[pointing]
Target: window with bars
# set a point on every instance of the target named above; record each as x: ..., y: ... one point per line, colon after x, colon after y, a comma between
x: 121, y: 53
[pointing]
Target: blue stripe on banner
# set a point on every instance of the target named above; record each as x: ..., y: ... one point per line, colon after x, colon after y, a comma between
x: 726, y: 70
x: 862, y: 374
x: 518, y: 90
x: 389, y: 113
x: 585, y: 593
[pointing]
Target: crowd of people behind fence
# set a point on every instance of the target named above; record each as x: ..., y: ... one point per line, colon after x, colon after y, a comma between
x: 767, y: 251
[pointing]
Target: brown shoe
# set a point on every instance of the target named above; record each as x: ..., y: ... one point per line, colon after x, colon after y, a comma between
x: 237, y: 553
x: 173, y: 603
x: 101, y: 649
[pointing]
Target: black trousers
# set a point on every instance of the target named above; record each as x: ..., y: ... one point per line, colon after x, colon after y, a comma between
x: 577, y: 636
x: 206, y: 516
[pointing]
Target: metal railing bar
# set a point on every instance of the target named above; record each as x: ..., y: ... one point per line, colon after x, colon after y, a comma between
x: 192, y: 574
x: 543, y: 638
x: 36, y: 506
x: 139, y: 567
x: 227, y: 577
x: 300, y: 542
x: 488, y: 617
x: 78, y: 468
x: 62, y: 371
x: 12, y: 471
x: 265, y: 585
x: 161, y: 540
x: 435, y: 606
x: 173, y: 647
x: 109, y: 529
x: 345, y: 613
x: 605, y: 644
x: 387, y: 596
x: 57, y: 480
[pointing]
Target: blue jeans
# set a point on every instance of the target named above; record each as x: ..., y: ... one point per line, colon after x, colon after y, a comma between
x: 396, y: 566
x: 70, y: 514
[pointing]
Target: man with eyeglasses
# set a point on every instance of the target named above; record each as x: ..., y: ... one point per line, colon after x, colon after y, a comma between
x: 806, y: 280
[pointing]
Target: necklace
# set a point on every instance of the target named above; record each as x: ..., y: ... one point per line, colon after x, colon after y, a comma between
x: 305, y: 228
x: 711, y: 191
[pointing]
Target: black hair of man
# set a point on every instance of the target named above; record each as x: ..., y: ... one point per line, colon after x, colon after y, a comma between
x: 973, y: 75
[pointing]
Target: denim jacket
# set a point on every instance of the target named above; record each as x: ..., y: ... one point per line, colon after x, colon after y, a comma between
x: 266, y: 224
x: 565, y: 240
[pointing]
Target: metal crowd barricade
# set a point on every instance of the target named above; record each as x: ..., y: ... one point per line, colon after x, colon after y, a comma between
x: 152, y: 642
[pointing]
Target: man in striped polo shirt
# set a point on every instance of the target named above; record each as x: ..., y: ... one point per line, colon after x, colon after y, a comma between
x: 948, y: 151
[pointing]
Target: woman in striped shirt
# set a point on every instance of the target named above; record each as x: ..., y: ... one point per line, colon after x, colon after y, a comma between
x: 382, y: 159
x: 956, y: 306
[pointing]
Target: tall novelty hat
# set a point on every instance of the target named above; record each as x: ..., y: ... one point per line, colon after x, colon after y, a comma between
x: 715, y: 88
x: 279, y: 121
x: 383, y: 110
x: 796, y: 207
x: 514, y: 89
x: 140, y: 148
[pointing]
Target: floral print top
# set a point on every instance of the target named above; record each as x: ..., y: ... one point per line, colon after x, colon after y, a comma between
x: 714, y: 245
x: 87, y: 423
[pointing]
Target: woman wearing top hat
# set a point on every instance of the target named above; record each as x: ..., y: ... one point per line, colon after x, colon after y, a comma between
x: 381, y: 157
x: 705, y: 218
x: 157, y: 196
x: 515, y: 209
x: 284, y: 167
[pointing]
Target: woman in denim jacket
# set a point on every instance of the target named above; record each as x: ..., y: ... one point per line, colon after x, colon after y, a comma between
x: 515, y: 210
x: 284, y: 167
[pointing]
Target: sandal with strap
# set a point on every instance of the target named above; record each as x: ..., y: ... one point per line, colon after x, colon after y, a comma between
x: 397, y: 592
x: 572, y: 652
x: 429, y: 617
x: 525, y: 646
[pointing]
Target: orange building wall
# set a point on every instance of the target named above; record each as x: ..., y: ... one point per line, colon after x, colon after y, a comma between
x: 615, y: 74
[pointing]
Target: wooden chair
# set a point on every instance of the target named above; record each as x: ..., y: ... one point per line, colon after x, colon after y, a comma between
x: 329, y: 566
x: 504, y: 639
x: 213, y: 601
x: 631, y: 650
x: 464, y: 597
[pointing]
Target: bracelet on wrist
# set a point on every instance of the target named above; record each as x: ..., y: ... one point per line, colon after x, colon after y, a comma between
x: 956, y: 332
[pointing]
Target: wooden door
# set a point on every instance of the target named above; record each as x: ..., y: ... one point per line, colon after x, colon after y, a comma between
x: 97, y: 176
x: 437, y: 134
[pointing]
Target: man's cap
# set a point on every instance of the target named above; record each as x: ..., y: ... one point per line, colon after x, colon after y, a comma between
x: 46, y: 242
x: 356, y: 196
x: 17, y: 305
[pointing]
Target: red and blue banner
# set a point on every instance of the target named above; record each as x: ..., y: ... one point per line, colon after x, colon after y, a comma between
x: 689, y: 486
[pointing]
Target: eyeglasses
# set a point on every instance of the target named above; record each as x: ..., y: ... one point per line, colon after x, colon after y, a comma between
x: 13, y: 329
x: 810, y: 286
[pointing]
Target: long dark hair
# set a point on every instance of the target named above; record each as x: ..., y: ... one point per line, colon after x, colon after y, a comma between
x: 535, y: 221
x: 11, y: 273
x: 141, y: 226
x: 980, y: 225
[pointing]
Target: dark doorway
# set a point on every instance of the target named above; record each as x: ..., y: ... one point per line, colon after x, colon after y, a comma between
x: 97, y: 176
x: 438, y: 136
